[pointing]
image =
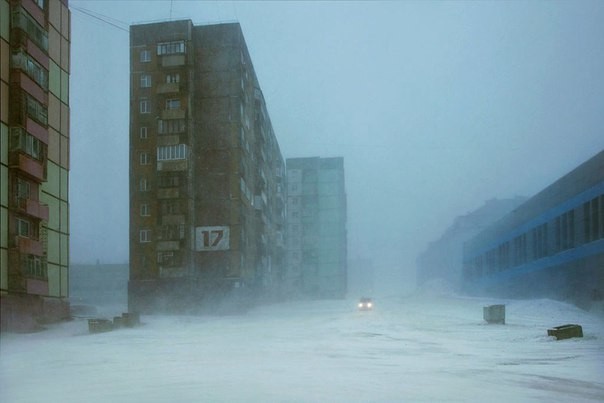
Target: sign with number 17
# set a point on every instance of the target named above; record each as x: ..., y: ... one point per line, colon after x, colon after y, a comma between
x: 212, y: 238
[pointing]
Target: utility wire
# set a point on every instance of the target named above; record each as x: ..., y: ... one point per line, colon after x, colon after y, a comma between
x: 102, y: 18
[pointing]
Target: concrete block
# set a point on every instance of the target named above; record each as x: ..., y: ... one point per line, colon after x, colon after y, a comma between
x: 99, y: 325
x: 494, y: 314
x: 565, y: 331
x: 131, y: 319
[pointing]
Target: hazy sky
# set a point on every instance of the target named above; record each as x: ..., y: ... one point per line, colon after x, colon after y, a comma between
x: 435, y: 106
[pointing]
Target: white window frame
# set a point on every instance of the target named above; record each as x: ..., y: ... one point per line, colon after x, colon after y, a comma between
x: 145, y: 56
x: 172, y: 78
x: 173, y: 103
x: 144, y: 236
x: 170, y: 48
x: 144, y: 158
x: 172, y: 152
x: 143, y: 133
x: 145, y: 80
x: 143, y: 185
x: 23, y: 228
x: 145, y: 106
x: 144, y: 211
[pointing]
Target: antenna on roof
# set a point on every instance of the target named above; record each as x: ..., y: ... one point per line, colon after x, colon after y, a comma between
x: 171, y: 2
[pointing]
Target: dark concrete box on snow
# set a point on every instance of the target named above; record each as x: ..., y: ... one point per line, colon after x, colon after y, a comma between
x: 494, y: 314
x: 565, y: 331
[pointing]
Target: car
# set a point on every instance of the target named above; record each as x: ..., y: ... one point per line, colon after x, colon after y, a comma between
x: 365, y: 304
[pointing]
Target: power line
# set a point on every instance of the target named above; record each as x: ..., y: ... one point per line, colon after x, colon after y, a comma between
x: 102, y: 18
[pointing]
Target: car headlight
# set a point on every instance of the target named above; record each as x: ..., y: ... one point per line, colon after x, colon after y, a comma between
x: 360, y: 304
x: 369, y: 305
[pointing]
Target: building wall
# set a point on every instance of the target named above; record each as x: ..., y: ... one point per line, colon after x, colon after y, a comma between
x: 34, y: 161
x: 552, y: 245
x: 442, y: 259
x: 316, y: 208
x: 229, y: 178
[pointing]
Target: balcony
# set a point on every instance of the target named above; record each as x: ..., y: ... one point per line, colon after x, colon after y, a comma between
x: 28, y: 165
x: 169, y: 193
x: 33, y: 208
x: 166, y: 246
x: 28, y: 246
x: 173, y: 114
x: 22, y: 80
x: 167, y: 88
x: 173, y: 219
x: 36, y: 12
x: 173, y: 60
x: 172, y: 166
x: 37, y: 287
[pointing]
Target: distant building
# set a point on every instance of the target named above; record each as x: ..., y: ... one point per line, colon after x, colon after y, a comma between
x: 550, y: 246
x: 34, y: 162
x: 316, y: 224
x: 207, y: 201
x: 442, y: 259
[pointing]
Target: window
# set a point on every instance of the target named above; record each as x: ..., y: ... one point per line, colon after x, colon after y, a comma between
x: 23, y: 228
x: 32, y: 68
x: 165, y: 257
x: 36, y: 266
x: 145, y: 235
x: 145, y: 80
x: 593, y: 219
x: 172, y: 78
x: 23, y: 192
x: 171, y: 126
x: 173, y: 152
x: 145, y: 56
x: 172, y: 232
x: 143, y: 133
x: 21, y: 19
x: 145, y: 210
x: 169, y: 207
x: 168, y: 181
x: 25, y: 142
x: 169, y: 48
x: 144, y: 158
x: 36, y: 110
x: 145, y: 106
x: 143, y: 185
x: 173, y: 103
x: 40, y: 3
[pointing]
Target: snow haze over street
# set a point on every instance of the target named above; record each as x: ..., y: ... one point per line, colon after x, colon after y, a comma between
x: 422, y: 347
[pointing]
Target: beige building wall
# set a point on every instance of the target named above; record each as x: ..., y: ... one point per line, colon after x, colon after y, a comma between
x: 34, y: 112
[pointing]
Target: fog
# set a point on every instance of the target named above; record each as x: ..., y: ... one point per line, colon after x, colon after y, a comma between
x: 435, y: 107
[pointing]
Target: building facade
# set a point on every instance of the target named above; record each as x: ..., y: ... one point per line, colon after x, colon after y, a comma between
x: 34, y: 161
x: 206, y: 194
x: 550, y: 246
x: 316, y: 225
x: 441, y: 261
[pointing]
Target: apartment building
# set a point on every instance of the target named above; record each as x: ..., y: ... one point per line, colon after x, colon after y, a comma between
x: 34, y: 162
x: 316, y: 225
x: 207, y: 201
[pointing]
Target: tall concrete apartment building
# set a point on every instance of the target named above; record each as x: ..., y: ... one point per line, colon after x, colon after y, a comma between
x: 207, y: 204
x: 316, y: 224
x: 34, y: 161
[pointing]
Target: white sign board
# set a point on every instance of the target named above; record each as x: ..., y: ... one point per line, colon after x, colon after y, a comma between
x: 209, y: 239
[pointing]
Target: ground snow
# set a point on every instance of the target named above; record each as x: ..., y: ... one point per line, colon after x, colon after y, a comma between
x: 419, y: 348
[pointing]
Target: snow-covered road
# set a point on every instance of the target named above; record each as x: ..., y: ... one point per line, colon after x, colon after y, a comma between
x: 418, y: 348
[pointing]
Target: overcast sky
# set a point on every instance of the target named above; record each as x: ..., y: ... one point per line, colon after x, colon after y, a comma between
x: 435, y: 106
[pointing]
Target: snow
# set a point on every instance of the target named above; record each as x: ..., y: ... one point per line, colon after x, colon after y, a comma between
x: 415, y: 348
